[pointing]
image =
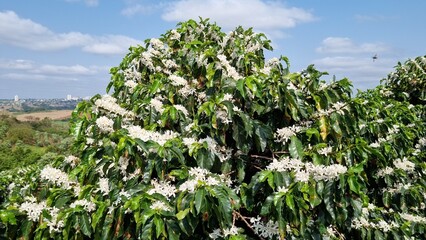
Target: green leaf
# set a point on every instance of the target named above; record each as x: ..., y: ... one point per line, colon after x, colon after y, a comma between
x: 241, y: 87
x: 182, y: 214
x: 85, y: 225
x: 262, y: 134
x: 289, y: 201
x: 159, y: 226
x: 7, y: 217
x: 199, y: 199
x: 353, y: 184
x: 329, y: 199
x: 296, y: 148
x: 324, y: 127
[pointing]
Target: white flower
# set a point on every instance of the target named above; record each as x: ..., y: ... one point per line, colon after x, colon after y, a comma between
x: 413, y: 218
x: 72, y: 160
x: 174, y: 35
x: 217, y: 233
x: 123, y: 163
x: 182, y: 109
x: 88, y: 206
x: 157, y: 44
x: 385, y: 171
x: 33, y: 209
x: 302, y: 176
x: 161, y: 206
x: 268, y: 230
x: 104, y: 186
x: 177, y: 81
x: 282, y: 189
x: 110, y: 103
x: 147, y: 135
x: 230, y: 231
x: 56, y: 177
x: 189, y: 185
x: 157, y: 105
x: 105, y: 124
x: 325, y: 151
x: 188, y: 142
x: 164, y: 188
x: 228, y: 97
x: 284, y: 134
x: 404, y: 164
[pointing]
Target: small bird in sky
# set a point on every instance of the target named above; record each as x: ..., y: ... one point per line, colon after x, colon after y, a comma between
x: 375, y: 57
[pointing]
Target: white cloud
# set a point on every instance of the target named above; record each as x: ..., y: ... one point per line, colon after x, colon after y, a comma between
x: 133, y: 9
x: 362, y: 71
x: 27, y: 34
x: 19, y: 64
x: 346, y: 45
x: 266, y: 16
x: 112, y: 44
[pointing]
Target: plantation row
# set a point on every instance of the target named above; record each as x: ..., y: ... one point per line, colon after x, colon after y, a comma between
x: 201, y: 138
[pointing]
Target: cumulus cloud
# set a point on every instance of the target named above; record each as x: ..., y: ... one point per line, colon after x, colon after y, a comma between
x: 19, y: 64
x: 346, y: 45
x: 25, y: 33
x: 362, y: 71
x: 111, y: 44
x: 265, y: 15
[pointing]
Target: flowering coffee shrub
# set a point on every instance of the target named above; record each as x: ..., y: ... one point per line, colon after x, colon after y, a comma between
x: 202, y: 138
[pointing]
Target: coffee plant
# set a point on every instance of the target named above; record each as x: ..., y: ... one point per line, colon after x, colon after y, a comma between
x: 202, y: 138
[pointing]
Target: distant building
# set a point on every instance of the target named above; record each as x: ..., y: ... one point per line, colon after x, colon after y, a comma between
x: 16, y: 98
x: 69, y: 97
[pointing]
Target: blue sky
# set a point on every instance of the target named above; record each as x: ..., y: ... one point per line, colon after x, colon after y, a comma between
x: 52, y: 48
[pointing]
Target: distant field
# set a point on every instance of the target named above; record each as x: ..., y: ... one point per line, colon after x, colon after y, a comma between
x: 54, y: 115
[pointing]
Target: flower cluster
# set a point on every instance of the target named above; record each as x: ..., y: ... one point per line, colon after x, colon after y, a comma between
x: 109, y: 103
x: 105, y: 124
x: 199, y: 177
x: 268, y: 230
x: 303, y: 171
x: 164, y: 188
x: 147, y: 135
x: 33, y: 209
x: 57, y: 177
x: 87, y: 205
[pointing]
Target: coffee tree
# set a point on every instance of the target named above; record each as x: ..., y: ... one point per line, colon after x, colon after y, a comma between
x: 201, y: 138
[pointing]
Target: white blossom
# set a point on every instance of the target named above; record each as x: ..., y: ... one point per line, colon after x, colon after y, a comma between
x: 88, y: 206
x: 157, y: 105
x: 325, y: 151
x: 110, y: 103
x: 105, y: 124
x: 72, y: 160
x: 164, y: 188
x: 182, y: 109
x: 147, y: 135
x: 32, y: 209
x: 104, y: 186
x: 268, y: 230
x: 413, y: 218
x: 177, y: 81
x: 230, y: 231
x: 161, y: 206
x: 404, y: 164
x: 56, y: 177
x: 284, y: 134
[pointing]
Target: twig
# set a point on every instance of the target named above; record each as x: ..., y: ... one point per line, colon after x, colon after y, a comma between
x: 235, y: 213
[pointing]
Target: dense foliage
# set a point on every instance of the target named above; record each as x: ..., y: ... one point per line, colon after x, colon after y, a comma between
x: 202, y: 138
x: 24, y: 143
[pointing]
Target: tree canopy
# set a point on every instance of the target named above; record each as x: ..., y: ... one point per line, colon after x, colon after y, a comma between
x: 202, y: 138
